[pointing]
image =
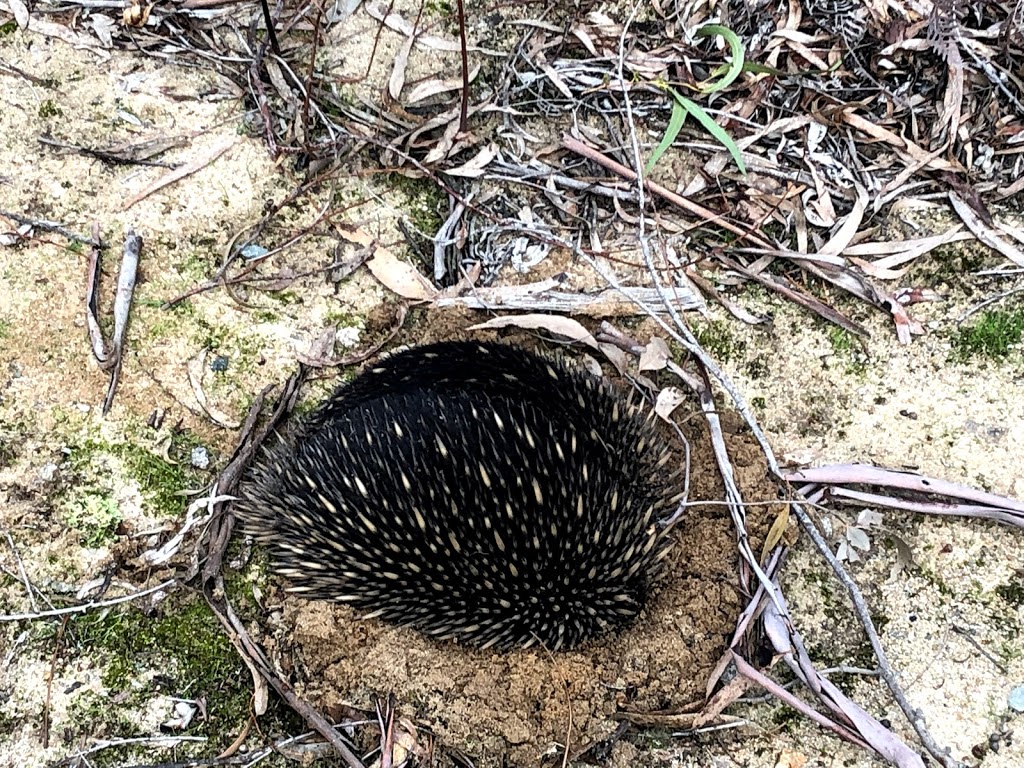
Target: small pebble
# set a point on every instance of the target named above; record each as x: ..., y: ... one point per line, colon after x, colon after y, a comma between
x: 48, y: 472
x: 253, y: 251
x: 348, y: 336
x: 219, y: 364
x: 1017, y: 699
x: 200, y: 457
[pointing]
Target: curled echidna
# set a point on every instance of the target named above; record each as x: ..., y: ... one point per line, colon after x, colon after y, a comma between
x: 473, y: 491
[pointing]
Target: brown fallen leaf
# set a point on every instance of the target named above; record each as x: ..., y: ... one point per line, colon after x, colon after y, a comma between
x: 776, y: 532
x: 983, y: 231
x: 655, y: 355
x: 399, y: 277
x: 559, y: 326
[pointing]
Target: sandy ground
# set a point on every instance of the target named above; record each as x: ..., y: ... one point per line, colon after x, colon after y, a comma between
x: 951, y: 622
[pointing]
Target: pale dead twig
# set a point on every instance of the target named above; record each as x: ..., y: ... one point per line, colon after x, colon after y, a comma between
x: 747, y: 670
x: 983, y: 231
x: 126, y: 276
x: 386, y: 724
x: 913, y: 715
x: 866, y: 474
x: 989, y: 302
x: 90, y: 606
x: 105, y: 744
x: 860, y: 498
x: 606, y: 303
x: 110, y: 356
x: 99, y: 345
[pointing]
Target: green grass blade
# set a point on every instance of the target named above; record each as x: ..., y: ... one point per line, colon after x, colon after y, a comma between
x: 675, y: 124
x: 735, y: 51
x: 764, y: 69
x: 713, y: 128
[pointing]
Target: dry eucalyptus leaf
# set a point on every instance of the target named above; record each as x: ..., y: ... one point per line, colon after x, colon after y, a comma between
x: 397, y: 80
x: 904, y: 554
x: 435, y: 87
x: 868, y: 518
x: 775, y: 533
x: 555, y: 324
x: 399, y: 277
x: 616, y: 357
x: 593, y: 367
x: 381, y: 11
x: 873, y: 270
x: 846, y: 553
x: 858, y: 538
x: 655, y: 355
x: 850, y: 226
x: 104, y: 27
x: 474, y: 168
x: 20, y: 11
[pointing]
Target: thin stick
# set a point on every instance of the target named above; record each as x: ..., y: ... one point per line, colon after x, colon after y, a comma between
x: 749, y: 672
x: 83, y: 608
x: 709, y: 216
x: 46, y: 226
x: 126, y: 277
x: 269, y: 21
x: 464, y: 108
x: 914, y: 716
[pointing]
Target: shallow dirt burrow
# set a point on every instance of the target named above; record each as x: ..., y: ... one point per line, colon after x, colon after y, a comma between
x: 523, y: 705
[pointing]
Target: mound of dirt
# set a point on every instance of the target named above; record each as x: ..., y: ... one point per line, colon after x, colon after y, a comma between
x: 517, y: 706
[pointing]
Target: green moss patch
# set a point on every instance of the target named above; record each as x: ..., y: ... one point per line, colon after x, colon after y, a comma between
x: 182, y: 654
x: 96, y: 468
x: 993, y: 334
x: 718, y: 338
x: 848, y: 348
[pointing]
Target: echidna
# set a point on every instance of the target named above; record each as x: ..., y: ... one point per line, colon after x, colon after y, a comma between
x: 473, y: 491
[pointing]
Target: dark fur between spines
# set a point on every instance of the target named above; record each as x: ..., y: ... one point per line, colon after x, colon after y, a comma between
x: 473, y: 491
